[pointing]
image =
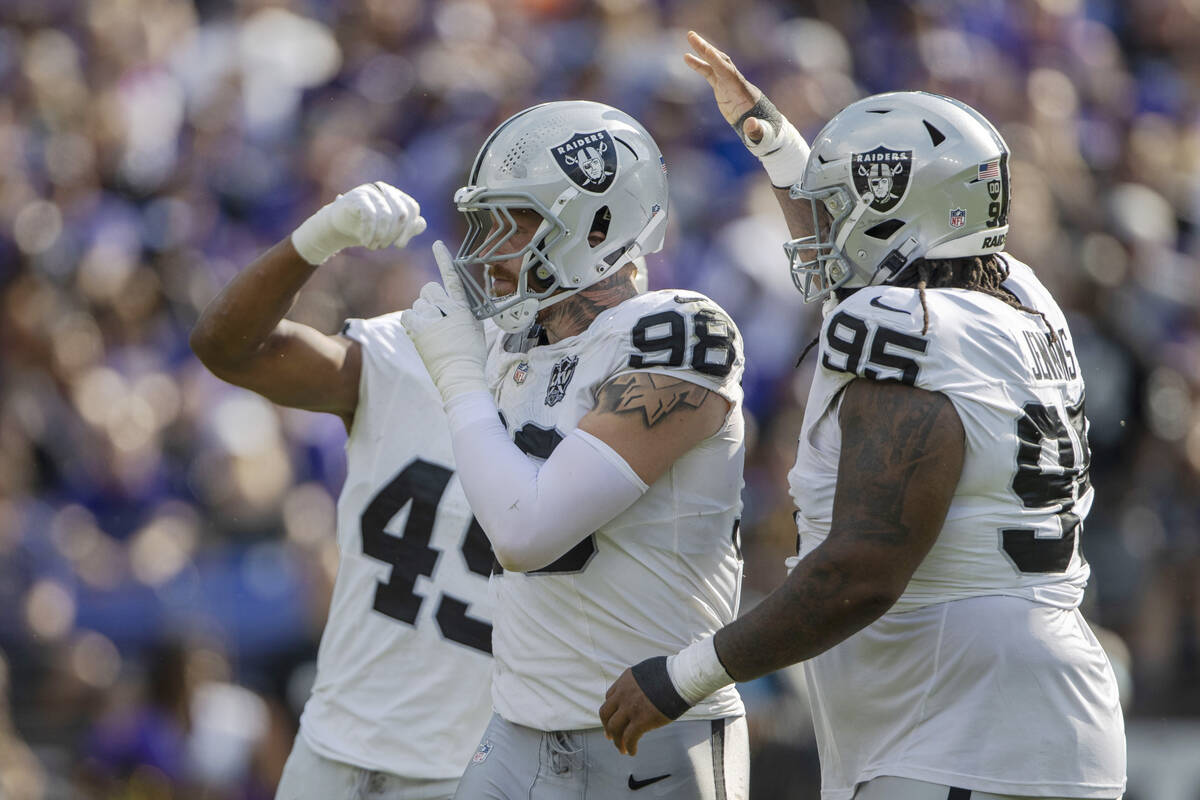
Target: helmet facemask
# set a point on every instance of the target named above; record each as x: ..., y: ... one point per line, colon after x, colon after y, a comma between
x: 834, y: 215
x: 491, y: 226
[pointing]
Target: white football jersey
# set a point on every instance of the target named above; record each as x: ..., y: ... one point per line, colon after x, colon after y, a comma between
x: 662, y: 574
x: 984, y: 674
x: 404, y: 668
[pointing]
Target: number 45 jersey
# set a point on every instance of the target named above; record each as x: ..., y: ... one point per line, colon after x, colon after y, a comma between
x: 663, y: 573
x: 403, y: 672
x: 984, y: 675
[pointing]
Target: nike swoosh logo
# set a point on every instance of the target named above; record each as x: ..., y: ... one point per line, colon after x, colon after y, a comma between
x: 635, y: 784
x: 875, y: 301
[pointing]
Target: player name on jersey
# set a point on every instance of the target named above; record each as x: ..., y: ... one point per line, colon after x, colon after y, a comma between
x: 1049, y: 358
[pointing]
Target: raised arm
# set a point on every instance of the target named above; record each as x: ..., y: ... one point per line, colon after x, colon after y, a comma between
x: 765, y: 132
x: 902, y: 455
x: 242, y: 336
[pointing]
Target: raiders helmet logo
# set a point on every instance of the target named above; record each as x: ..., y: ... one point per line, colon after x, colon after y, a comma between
x: 560, y: 376
x: 588, y: 159
x: 883, y: 174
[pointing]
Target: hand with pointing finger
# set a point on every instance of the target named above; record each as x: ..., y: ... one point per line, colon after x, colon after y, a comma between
x: 765, y: 132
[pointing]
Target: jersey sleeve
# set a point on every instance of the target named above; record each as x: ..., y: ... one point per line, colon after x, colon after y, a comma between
x: 390, y: 361
x: 682, y: 334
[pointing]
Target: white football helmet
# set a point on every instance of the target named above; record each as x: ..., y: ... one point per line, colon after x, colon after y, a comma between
x: 581, y: 166
x: 902, y: 176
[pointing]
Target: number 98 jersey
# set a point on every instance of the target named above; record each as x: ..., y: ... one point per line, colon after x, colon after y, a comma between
x: 1014, y: 525
x: 661, y: 574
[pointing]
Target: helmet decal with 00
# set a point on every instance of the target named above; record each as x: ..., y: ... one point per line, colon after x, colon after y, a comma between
x: 894, y: 178
x: 560, y: 195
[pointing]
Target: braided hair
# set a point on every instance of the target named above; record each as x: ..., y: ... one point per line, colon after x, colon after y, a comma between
x: 978, y: 273
x: 985, y: 274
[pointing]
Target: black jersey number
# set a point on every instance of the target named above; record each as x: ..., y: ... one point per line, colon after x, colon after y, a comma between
x: 1050, y: 486
x: 662, y: 340
x: 888, y: 352
x: 420, y: 486
x: 539, y: 442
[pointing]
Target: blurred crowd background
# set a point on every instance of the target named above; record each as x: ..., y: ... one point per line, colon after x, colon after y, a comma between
x: 166, y: 541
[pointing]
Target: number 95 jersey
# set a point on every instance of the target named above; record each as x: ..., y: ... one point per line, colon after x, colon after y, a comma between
x: 661, y: 574
x: 1014, y: 525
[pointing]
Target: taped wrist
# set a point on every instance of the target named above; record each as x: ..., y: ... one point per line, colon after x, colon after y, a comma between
x: 764, y: 110
x: 696, y: 671
x: 655, y: 682
x: 782, y: 150
x: 317, y: 239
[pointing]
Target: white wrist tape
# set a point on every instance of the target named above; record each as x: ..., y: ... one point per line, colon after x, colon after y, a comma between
x: 782, y: 150
x: 783, y: 154
x: 697, y: 672
x: 318, y: 238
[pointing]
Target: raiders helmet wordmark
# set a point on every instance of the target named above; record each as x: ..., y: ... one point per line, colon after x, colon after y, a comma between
x: 882, y: 173
x: 588, y: 159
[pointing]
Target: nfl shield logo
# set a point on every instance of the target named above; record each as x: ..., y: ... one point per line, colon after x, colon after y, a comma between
x: 521, y: 372
x: 588, y: 159
x: 482, y: 753
x: 958, y: 218
x: 560, y: 376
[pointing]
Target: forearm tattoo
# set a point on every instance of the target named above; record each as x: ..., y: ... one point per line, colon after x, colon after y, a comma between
x: 652, y: 395
x: 902, y: 453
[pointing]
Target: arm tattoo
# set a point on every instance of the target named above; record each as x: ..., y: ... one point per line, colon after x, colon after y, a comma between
x: 887, y: 447
x: 902, y: 453
x: 656, y: 396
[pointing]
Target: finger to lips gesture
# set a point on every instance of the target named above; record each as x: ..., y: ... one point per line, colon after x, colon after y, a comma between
x: 734, y: 94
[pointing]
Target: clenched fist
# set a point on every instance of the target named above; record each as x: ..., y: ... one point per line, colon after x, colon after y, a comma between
x: 374, y: 215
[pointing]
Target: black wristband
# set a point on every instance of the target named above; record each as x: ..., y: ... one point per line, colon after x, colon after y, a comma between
x: 766, y: 111
x: 655, y: 682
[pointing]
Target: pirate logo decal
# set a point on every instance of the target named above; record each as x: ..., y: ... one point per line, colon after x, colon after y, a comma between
x: 588, y: 159
x: 560, y: 376
x: 883, y: 174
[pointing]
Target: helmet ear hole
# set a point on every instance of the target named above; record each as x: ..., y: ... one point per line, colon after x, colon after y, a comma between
x: 599, y: 230
x: 885, y: 229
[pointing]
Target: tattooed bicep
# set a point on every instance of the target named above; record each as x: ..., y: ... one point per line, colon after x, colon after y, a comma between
x: 902, y: 455
x: 651, y: 396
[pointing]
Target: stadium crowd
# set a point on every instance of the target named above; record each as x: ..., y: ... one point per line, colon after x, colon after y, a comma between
x: 166, y: 545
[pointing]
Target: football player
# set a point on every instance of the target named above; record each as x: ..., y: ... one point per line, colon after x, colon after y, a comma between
x: 403, y: 672
x: 941, y: 480
x: 600, y: 444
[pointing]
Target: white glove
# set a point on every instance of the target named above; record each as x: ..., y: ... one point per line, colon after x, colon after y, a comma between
x: 447, y: 335
x: 374, y: 215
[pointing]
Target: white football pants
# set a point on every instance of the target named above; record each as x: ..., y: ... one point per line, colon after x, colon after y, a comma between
x: 686, y: 760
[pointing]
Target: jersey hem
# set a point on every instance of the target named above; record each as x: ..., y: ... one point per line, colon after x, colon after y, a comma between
x: 368, y: 764
x: 1087, y: 791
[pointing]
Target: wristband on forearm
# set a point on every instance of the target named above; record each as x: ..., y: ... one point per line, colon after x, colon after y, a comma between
x: 676, y: 683
x: 782, y: 150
